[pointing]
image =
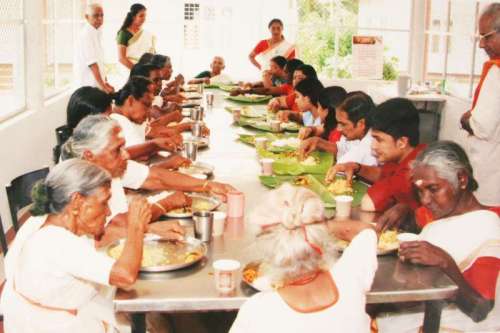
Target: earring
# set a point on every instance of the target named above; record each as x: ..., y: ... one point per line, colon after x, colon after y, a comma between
x: 74, y: 212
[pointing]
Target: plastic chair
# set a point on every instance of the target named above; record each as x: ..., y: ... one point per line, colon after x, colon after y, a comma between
x: 19, y: 192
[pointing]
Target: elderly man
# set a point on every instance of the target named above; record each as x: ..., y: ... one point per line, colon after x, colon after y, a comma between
x: 89, y: 56
x: 214, y: 75
x: 482, y: 122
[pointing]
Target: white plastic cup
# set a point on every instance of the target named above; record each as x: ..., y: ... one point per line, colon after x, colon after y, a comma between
x: 235, y: 204
x: 343, y: 204
x: 260, y: 142
x: 219, y: 223
x: 407, y: 237
x: 236, y: 115
x: 275, y: 125
x: 404, y: 84
x: 225, y: 273
x: 267, y: 166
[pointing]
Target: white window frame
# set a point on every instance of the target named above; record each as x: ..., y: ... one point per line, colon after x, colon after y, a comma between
x: 448, y: 35
x: 22, y: 78
x: 338, y: 28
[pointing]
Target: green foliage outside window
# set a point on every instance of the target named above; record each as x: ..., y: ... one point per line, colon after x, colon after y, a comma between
x: 317, y: 38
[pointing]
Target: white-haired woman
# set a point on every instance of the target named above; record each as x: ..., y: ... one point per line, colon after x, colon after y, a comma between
x: 463, y: 241
x: 313, y: 289
x: 53, y: 271
x: 98, y: 139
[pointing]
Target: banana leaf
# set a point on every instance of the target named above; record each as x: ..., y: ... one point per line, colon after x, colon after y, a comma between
x: 227, y: 87
x: 287, y: 163
x: 211, y: 86
x: 250, y: 140
x: 262, y: 125
x: 249, y: 99
x: 316, y: 184
x: 248, y: 111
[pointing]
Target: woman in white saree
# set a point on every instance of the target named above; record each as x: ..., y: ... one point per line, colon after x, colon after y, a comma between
x: 55, y: 277
x: 133, y: 41
x: 267, y: 49
x: 464, y: 241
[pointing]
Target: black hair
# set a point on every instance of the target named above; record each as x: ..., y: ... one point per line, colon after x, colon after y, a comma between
x: 280, y: 61
x: 146, y: 58
x: 86, y: 101
x: 397, y: 117
x: 136, y: 86
x: 159, y: 61
x: 310, y: 88
x: 308, y: 71
x: 134, y: 10
x: 142, y: 70
x: 275, y: 20
x: 330, y: 98
x: 291, y: 66
x: 358, y: 105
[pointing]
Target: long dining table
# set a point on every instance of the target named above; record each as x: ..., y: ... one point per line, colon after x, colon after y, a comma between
x: 192, y: 289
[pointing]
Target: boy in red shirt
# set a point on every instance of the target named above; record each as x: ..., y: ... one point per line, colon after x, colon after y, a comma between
x: 395, y: 130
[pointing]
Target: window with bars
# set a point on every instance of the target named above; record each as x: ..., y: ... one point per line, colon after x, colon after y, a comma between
x: 191, y: 25
x: 11, y: 57
x: 61, y: 22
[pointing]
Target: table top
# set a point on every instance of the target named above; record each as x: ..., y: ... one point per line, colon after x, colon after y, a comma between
x: 193, y: 289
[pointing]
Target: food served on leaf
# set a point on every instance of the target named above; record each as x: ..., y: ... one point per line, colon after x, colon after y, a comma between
x: 287, y: 142
x: 301, y: 181
x: 387, y: 242
x: 255, y: 96
x: 340, y: 187
x: 290, y: 126
x: 310, y: 161
x: 161, y: 253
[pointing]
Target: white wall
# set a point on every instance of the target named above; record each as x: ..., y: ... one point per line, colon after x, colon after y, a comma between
x: 27, y: 142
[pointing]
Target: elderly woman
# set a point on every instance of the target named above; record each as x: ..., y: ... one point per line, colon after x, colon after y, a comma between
x: 54, y: 273
x: 132, y: 105
x: 98, y: 139
x: 313, y: 290
x: 463, y: 241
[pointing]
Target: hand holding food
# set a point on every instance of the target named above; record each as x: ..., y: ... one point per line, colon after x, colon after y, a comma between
x: 220, y: 188
x: 305, y: 132
x: 283, y: 116
x: 166, y: 144
x: 177, y: 161
x: 347, y: 168
x: 177, y: 200
x: 307, y: 146
x: 170, y: 230
x: 392, y: 217
x: 139, y: 212
x: 274, y: 104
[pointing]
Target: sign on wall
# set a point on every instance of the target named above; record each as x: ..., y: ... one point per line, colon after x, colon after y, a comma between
x: 367, y: 57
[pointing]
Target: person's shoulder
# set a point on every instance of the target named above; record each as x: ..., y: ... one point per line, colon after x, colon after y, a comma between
x: 123, y: 37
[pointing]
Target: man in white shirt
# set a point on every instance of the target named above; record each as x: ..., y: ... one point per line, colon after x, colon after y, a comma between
x: 482, y: 122
x: 355, y: 144
x: 89, y: 55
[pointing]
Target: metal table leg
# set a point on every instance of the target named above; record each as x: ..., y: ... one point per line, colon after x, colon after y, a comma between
x: 139, y: 322
x: 432, y: 316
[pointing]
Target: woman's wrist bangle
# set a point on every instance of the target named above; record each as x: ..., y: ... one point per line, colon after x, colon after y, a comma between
x: 157, y: 204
